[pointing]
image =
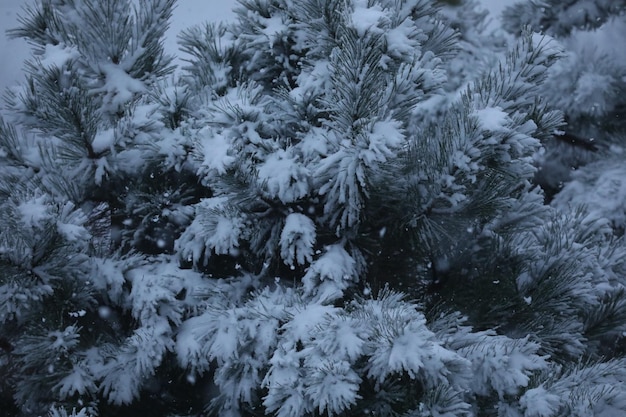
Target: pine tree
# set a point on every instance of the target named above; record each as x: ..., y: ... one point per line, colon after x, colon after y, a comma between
x: 86, y: 320
x: 320, y: 215
x: 588, y: 85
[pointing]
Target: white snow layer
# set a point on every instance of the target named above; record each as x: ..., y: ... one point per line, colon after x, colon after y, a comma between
x: 492, y: 118
x: 600, y: 188
x: 57, y: 55
x: 35, y: 211
x: 284, y: 176
x: 366, y: 18
x: 215, y: 150
x: 104, y: 140
x: 297, y: 239
x: 119, y: 87
x: 330, y: 274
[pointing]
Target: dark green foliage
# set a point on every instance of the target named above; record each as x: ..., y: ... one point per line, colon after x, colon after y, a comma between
x: 323, y: 213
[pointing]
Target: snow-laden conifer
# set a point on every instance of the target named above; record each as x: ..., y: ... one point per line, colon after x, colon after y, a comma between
x: 588, y: 85
x: 320, y: 214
